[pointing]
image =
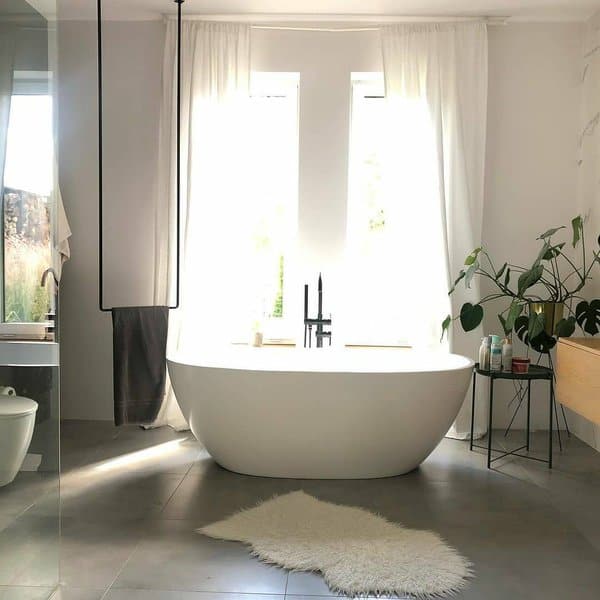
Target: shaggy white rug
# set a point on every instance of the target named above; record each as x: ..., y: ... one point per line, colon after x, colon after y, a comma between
x: 356, y: 551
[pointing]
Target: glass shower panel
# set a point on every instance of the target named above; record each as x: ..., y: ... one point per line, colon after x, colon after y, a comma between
x: 29, y: 276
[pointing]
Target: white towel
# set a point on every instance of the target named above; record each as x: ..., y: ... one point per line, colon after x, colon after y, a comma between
x: 63, y: 233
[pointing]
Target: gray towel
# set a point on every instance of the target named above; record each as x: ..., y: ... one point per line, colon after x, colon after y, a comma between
x: 140, y: 362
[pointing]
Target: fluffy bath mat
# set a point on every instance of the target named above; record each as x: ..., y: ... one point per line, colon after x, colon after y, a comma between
x: 357, y: 552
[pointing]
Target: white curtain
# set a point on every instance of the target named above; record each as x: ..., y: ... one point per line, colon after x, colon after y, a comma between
x: 7, y: 54
x: 436, y: 89
x: 215, y: 92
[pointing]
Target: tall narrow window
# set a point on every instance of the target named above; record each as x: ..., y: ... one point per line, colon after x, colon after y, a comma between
x: 272, y: 203
x: 393, y: 202
x: 27, y: 189
x: 374, y: 292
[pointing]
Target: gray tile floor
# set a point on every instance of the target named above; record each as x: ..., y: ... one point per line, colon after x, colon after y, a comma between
x: 131, y: 500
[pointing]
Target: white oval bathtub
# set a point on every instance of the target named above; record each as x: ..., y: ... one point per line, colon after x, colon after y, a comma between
x: 320, y: 414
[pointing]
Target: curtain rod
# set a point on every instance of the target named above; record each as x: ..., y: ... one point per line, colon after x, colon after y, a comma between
x: 368, y: 22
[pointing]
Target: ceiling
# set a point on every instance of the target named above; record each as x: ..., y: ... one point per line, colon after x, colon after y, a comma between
x: 519, y: 10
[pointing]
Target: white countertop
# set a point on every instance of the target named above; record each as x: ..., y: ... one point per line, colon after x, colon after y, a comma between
x: 20, y: 353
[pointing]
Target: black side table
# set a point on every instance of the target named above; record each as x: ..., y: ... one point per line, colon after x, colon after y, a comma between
x: 536, y: 372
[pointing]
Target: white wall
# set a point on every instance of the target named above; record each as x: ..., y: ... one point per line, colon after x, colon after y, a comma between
x: 589, y: 191
x: 531, y: 173
x: 133, y: 56
x: 531, y: 163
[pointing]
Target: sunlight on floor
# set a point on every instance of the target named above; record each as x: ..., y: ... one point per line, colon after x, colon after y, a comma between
x: 135, y: 459
x: 107, y: 471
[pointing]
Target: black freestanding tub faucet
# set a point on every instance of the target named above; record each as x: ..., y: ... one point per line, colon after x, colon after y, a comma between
x: 319, y: 322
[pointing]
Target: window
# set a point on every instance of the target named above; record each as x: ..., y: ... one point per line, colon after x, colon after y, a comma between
x: 273, y: 195
x: 26, y: 202
x: 395, y: 239
x: 375, y: 310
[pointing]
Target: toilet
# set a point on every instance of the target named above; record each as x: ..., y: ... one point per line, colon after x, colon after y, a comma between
x: 17, y: 421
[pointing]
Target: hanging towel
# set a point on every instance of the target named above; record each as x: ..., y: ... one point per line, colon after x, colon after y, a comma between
x: 63, y: 232
x: 140, y: 362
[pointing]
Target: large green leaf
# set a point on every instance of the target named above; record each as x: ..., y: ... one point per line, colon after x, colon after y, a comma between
x: 514, y: 312
x: 445, y: 325
x: 588, y: 316
x: 565, y: 327
x: 501, y: 271
x: 530, y: 278
x: 471, y: 316
x: 503, y: 323
x: 550, y: 232
x: 470, y: 273
x: 473, y: 256
x: 460, y: 277
x: 548, y: 252
x: 577, y: 225
x: 542, y: 343
x: 537, y: 322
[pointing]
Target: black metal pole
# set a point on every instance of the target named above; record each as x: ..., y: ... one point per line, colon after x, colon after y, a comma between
x: 473, y: 410
x: 551, y: 427
x: 490, y: 423
x: 100, y: 169
x: 528, y: 414
x: 178, y: 120
x: 101, y: 162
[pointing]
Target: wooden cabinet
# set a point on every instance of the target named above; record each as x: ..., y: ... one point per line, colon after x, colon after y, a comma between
x: 578, y: 376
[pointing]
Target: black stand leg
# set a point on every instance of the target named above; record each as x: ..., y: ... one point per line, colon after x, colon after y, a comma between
x: 562, y: 408
x: 557, y: 421
x: 552, y: 407
x: 528, y: 413
x: 490, y: 421
x: 473, y: 411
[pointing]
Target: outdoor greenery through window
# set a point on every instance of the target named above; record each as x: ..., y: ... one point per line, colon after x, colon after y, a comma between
x: 273, y: 191
x: 27, y: 189
x: 376, y: 306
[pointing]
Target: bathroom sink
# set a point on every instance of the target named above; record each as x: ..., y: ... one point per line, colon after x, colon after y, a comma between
x: 17, y: 353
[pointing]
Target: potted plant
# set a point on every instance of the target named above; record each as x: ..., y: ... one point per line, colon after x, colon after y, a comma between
x: 544, y: 300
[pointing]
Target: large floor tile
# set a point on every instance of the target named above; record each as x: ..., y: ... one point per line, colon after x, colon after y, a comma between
x: 29, y: 552
x: 213, y: 493
x: 26, y: 593
x: 94, y: 552
x: 25, y: 491
x: 135, y: 497
x: 172, y: 556
x: 124, y: 594
x: 68, y: 593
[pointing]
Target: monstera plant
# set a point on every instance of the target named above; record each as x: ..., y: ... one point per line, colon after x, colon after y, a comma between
x: 544, y: 301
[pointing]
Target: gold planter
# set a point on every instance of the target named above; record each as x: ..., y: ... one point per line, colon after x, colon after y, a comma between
x: 552, y: 311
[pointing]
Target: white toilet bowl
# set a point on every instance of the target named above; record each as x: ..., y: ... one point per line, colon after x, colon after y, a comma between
x: 17, y: 421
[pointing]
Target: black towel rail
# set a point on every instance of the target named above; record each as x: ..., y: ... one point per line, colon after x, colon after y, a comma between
x: 101, y: 164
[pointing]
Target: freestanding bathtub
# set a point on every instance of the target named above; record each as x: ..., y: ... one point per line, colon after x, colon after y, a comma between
x: 321, y: 413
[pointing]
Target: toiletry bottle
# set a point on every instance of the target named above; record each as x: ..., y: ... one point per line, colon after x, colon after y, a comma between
x: 487, y: 342
x: 507, y: 355
x: 496, y: 354
x: 483, y: 354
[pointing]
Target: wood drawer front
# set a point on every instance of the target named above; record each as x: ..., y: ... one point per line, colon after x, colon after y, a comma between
x: 578, y: 380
